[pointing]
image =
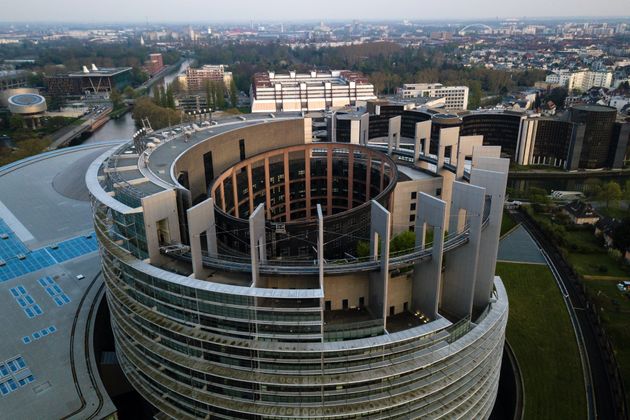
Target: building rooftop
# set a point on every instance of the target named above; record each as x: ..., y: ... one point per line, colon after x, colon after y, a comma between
x: 113, y: 71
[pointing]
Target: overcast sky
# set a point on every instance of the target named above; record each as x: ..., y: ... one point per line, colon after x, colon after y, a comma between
x: 286, y: 10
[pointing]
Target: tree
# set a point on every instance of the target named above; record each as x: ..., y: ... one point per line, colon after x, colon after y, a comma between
x: 158, y: 116
x: 129, y: 92
x: 626, y: 190
x: 157, y: 95
x: 116, y: 98
x: 621, y: 235
x: 610, y: 193
x: 16, y: 122
x: 169, y: 102
x: 233, y: 94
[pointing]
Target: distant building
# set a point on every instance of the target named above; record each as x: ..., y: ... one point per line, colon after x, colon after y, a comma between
x: 456, y: 96
x: 442, y: 36
x: 196, y: 79
x: 155, y: 63
x: 88, y: 81
x: 315, y: 91
x: 581, y: 213
x: 582, y: 80
x: 13, y: 79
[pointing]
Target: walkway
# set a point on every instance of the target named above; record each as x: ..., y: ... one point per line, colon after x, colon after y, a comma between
x: 519, y: 247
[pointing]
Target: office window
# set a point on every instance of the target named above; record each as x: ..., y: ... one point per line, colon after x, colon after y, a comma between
x: 438, y: 192
x: 412, y: 207
x: 414, y: 195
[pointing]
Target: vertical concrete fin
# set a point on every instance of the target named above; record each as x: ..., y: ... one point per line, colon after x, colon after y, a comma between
x: 257, y: 242
x: 200, y: 220
x: 460, y: 273
x: 427, y: 276
x: 380, y: 226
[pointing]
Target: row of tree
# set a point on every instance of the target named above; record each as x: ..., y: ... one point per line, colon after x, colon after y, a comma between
x: 388, y: 65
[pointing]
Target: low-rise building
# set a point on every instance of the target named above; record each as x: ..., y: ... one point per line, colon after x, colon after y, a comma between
x: 581, y: 213
x: 315, y: 91
x: 456, y: 96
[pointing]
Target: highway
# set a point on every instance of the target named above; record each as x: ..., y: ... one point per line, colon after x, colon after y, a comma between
x: 599, y: 395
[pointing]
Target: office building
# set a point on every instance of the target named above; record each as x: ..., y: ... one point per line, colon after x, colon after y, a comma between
x: 456, y: 96
x: 590, y: 138
x: 88, y: 81
x: 236, y: 287
x: 197, y: 79
x: 316, y: 91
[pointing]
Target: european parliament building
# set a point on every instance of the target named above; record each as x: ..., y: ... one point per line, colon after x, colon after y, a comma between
x: 249, y: 272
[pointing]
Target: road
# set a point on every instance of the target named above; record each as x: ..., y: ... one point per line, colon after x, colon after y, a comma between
x: 600, y: 400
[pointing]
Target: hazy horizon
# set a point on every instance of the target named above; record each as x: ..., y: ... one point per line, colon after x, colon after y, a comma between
x: 199, y: 11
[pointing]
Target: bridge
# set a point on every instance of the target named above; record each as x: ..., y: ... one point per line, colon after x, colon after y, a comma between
x: 91, y: 123
x: 475, y: 27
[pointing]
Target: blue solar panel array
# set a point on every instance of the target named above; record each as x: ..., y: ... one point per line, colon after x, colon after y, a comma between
x: 39, y: 334
x: 55, y: 291
x: 14, y: 374
x: 26, y: 301
x: 17, y: 259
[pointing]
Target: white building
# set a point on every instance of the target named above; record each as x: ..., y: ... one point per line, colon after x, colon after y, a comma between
x: 456, y: 96
x: 314, y: 91
x: 582, y: 80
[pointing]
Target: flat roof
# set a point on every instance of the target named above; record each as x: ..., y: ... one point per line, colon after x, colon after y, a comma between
x: 414, y: 173
x: 105, y: 71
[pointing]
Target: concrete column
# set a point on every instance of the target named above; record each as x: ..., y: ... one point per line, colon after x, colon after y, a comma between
x: 329, y: 182
x: 368, y: 178
x: 365, y: 129
x: 464, y: 150
x: 320, y: 260
x: 380, y: 227
x: 422, y: 138
x: 485, y: 151
x: 159, y: 207
x: 250, y: 188
x: 449, y: 137
x: 257, y: 242
x: 350, y: 176
x: 267, y: 189
x: 222, y: 192
x: 460, y: 274
x: 235, y: 194
x: 307, y: 182
x: 201, y: 219
x: 287, y: 187
x: 493, y: 178
x: 393, y: 138
x: 427, y: 275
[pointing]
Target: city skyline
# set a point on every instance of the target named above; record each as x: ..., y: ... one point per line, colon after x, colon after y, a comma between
x: 142, y: 11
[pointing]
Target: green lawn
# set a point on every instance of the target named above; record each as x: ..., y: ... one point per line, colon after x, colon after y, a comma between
x: 540, y: 333
x: 614, y: 311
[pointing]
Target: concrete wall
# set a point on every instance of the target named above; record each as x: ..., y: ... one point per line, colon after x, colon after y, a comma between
x: 225, y: 148
x: 402, y: 201
x: 352, y: 287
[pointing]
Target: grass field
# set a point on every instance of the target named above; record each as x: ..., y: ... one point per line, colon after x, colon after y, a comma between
x: 541, y: 335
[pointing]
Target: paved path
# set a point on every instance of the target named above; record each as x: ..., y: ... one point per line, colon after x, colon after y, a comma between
x: 518, y: 246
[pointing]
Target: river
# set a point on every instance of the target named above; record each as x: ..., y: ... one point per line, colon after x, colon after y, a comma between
x: 124, y: 127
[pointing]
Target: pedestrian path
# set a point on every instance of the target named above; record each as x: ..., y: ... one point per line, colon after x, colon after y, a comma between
x: 518, y: 246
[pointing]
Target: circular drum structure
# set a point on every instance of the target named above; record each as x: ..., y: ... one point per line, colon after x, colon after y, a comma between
x: 290, y: 183
x: 206, y: 327
x: 27, y: 104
